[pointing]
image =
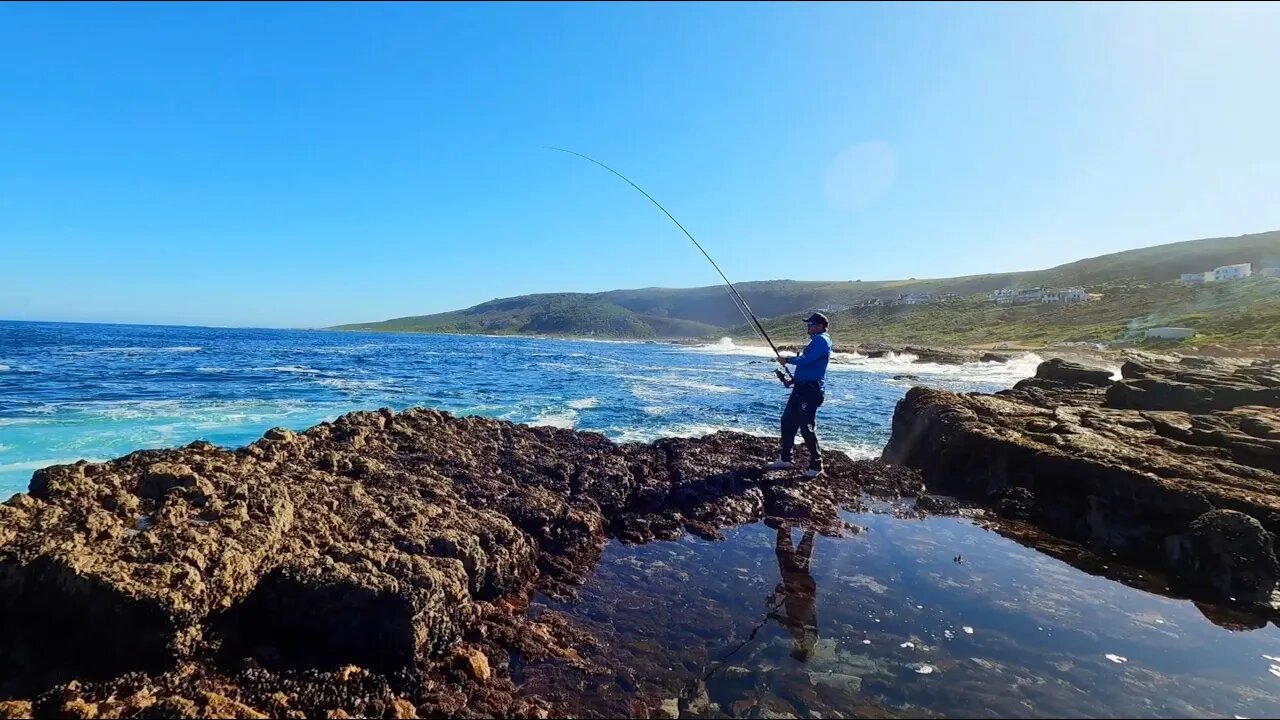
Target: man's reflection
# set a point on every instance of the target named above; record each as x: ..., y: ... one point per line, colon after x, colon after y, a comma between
x: 795, y: 595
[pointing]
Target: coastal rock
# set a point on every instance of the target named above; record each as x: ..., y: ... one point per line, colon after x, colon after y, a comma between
x: 1229, y: 552
x: 940, y: 356
x: 1196, y: 387
x: 378, y: 564
x: 995, y: 357
x: 943, y: 356
x: 1133, y: 481
x: 1069, y: 373
x: 937, y: 505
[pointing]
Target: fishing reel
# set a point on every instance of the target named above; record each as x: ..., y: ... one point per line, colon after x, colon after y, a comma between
x: 782, y: 377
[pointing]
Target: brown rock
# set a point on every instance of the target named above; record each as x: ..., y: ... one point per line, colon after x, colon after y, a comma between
x: 314, y: 567
x: 1068, y: 460
x: 402, y: 709
x: 1229, y: 552
x: 15, y: 709
x: 475, y: 663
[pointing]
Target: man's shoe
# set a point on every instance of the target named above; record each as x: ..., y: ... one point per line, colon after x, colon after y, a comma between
x: 812, y: 472
x: 779, y: 464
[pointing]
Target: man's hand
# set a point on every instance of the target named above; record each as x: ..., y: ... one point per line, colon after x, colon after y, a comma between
x: 782, y: 361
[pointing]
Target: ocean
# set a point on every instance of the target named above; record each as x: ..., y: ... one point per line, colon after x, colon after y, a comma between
x: 71, y: 391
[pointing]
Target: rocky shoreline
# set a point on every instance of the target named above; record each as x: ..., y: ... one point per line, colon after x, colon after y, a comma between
x: 1176, y: 466
x: 378, y: 565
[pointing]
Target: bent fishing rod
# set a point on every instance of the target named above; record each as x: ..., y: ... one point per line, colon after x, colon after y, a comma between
x: 784, y: 374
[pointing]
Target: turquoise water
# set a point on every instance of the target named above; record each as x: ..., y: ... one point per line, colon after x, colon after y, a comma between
x: 72, y: 391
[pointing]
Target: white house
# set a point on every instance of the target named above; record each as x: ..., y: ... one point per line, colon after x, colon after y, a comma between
x: 1005, y: 295
x: 1232, y: 272
x: 1064, y: 297
x: 1196, y: 278
x: 1169, y: 333
x: 1271, y: 272
x: 915, y: 299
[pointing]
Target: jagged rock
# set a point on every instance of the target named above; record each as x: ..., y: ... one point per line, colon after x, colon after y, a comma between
x: 1229, y: 552
x: 1195, y: 387
x: 15, y: 709
x: 995, y: 357
x: 940, y: 356
x: 1069, y: 373
x: 475, y: 663
x: 906, y: 377
x: 303, y: 573
x: 1016, y: 503
x: 937, y: 505
x: 1066, y: 458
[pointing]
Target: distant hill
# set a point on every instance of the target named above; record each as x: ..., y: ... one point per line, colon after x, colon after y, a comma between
x: 708, y: 311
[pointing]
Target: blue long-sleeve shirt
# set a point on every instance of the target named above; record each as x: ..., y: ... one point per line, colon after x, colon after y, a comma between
x: 811, y: 365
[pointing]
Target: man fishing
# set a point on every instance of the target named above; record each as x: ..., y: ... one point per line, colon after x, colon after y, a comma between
x: 807, y: 393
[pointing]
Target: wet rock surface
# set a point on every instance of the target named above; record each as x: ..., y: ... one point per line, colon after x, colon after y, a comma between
x: 377, y: 565
x: 1141, y: 466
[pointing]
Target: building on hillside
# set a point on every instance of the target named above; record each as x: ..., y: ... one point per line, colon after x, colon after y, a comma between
x: 1271, y: 272
x: 948, y: 297
x: 914, y: 299
x: 1064, y: 297
x: 830, y: 308
x: 1169, y: 333
x: 1196, y: 278
x: 1232, y: 272
x: 1004, y: 296
x: 1008, y: 296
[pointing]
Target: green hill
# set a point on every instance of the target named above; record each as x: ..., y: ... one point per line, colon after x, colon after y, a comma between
x: 1133, y: 283
x: 1241, y: 312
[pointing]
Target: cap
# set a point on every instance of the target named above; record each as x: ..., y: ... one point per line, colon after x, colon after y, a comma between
x: 817, y: 318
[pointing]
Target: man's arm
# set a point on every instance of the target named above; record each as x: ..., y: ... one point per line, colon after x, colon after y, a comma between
x: 815, y: 351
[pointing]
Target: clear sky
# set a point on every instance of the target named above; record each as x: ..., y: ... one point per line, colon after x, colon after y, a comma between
x: 306, y: 165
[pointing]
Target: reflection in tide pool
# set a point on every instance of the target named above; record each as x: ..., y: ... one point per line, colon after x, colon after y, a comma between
x: 909, y: 617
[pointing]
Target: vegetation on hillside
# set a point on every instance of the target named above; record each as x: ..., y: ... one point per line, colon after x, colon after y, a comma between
x: 1135, y: 284
x: 1238, y: 312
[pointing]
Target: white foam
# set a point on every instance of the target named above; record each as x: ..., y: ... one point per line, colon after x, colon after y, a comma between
x: 33, y: 465
x: 583, y: 404
x: 856, y: 450
x: 3, y: 368
x: 566, y: 419
x: 726, y: 346
x: 905, y: 364
x: 137, y: 350
x: 687, y: 430
x: 354, y: 385
x: 290, y: 369
x: 659, y: 387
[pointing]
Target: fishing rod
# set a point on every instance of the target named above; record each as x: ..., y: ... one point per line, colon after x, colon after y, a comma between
x: 784, y: 374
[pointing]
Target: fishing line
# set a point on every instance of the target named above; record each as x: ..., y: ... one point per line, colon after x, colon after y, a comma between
x: 738, y: 301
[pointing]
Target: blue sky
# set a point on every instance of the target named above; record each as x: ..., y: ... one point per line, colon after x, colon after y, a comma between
x: 304, y: 165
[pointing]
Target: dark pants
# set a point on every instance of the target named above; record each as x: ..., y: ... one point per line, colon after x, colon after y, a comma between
x: 802, y: 414
x: 796, y: 594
